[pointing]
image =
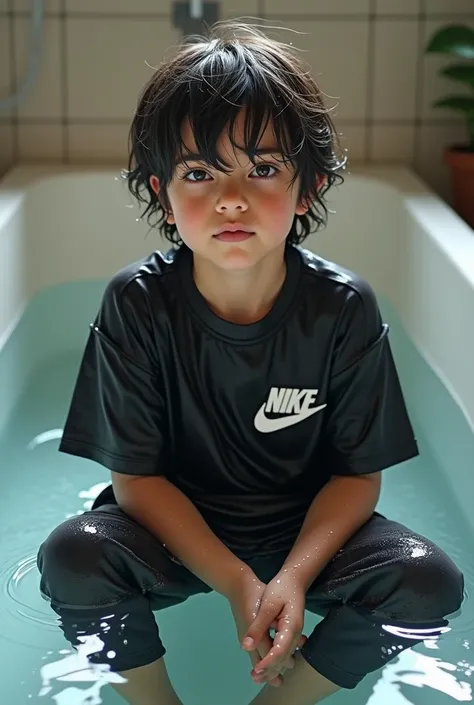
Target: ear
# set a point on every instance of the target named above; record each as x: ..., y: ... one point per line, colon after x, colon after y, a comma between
x: 155, y: 186
x: 303, y: 206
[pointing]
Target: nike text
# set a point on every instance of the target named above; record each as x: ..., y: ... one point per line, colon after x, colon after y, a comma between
x: 295, y: 404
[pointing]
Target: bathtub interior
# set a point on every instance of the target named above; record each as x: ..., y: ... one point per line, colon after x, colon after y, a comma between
x: 67, y: 236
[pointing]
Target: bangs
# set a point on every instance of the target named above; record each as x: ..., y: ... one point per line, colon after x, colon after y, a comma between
x: 214, y: 95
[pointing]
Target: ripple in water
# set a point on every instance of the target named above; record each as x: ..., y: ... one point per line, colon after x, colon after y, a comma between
x: 23, y: 589
x: 25, y: 617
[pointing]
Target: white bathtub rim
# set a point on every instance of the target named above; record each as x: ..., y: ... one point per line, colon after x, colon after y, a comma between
x: 448, y: 229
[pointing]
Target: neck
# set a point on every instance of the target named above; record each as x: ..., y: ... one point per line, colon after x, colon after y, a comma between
x: 243, y: 296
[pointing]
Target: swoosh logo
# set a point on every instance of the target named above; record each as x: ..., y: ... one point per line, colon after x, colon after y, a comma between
x: 265, y: 425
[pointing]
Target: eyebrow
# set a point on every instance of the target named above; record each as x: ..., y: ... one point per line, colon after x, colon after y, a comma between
x: 198, y: 157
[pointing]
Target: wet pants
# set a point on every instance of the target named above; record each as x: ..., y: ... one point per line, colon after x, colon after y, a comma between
x: 380, y: 589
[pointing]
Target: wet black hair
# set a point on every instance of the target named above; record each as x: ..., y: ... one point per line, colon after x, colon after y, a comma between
x: 209, y: 80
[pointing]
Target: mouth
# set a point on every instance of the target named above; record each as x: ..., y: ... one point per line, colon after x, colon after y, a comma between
x: 234, y: 235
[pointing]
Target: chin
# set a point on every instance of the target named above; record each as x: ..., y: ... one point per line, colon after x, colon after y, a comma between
x: 235, y: 259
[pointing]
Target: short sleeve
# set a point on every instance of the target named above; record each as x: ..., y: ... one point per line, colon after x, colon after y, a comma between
x: 117, y: 412
x: 367, y: 427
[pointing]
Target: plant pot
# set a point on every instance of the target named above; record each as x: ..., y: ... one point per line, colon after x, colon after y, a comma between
x: 461, y: 161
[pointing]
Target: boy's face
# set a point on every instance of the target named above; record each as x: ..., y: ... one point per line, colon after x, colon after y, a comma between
x: 204, y: 200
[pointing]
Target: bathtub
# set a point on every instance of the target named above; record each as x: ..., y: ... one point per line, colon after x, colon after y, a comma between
x: 61, y: 228
x: 61, y: 225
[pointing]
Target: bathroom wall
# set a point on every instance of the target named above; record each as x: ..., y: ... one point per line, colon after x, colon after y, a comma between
x: 367, y: 55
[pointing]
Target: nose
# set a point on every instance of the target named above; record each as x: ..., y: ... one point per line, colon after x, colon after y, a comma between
x: 231, y: 199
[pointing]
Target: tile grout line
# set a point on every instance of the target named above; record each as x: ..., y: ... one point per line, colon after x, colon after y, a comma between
x: 284, y: 17
x: 14, y: 118
x: 420, y: 84
x: 369, y: 121
x: 64, y: 83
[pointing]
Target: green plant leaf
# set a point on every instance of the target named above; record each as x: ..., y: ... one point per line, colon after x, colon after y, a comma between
x: 457, y: 40
x: 460, y: 72
x: 460, y: 103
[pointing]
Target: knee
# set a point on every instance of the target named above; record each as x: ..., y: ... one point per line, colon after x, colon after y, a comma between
x: 70, y: 555
x: 431, y: 586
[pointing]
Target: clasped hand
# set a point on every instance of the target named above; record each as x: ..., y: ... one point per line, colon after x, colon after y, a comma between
x: 257, y: 608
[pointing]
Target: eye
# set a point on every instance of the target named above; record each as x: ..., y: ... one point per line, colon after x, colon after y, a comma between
x: 199, y: 174
x: 267, y: 166
x: 194, y: 171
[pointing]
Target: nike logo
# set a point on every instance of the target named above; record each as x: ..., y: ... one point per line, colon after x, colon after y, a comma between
x: 293, y: 404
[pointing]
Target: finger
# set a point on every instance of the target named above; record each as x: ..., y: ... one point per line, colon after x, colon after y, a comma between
x: 283, y: 647
x: 302, y: 641
x: 275, y: 678
x: 255, y: 656
x: 268, y: 674
x: 264, y: 646
x: 260, y: 652
x: 260, y: 626
x: 275, y: 682
x: 290, y: 661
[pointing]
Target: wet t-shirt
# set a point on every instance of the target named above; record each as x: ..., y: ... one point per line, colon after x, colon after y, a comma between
x: 249, y: 421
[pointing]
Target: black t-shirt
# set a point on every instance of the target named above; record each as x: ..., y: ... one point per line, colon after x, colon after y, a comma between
x: 249, y: 421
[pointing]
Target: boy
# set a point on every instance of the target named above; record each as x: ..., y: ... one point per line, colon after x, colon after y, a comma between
x: 243, y: 394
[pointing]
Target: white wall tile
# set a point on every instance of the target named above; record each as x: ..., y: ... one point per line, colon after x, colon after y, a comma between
x: 314, y: 7
x: 119, y: 7
x: 44, y: 100
x: 450, y: 7
x: 395, y: 71
x: 228, y: 8
x: 5, y: 64
x: 108, y: 63
x: 397, y: 7
x: 341, y: 75
x: 40, y: 142
x: 6, y: 147
x: 392, y: 143
x: 231, y: 9
x: 98, y: 144
x: 434, y: 85
x: 433, y: 141
x: 25, y: 5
